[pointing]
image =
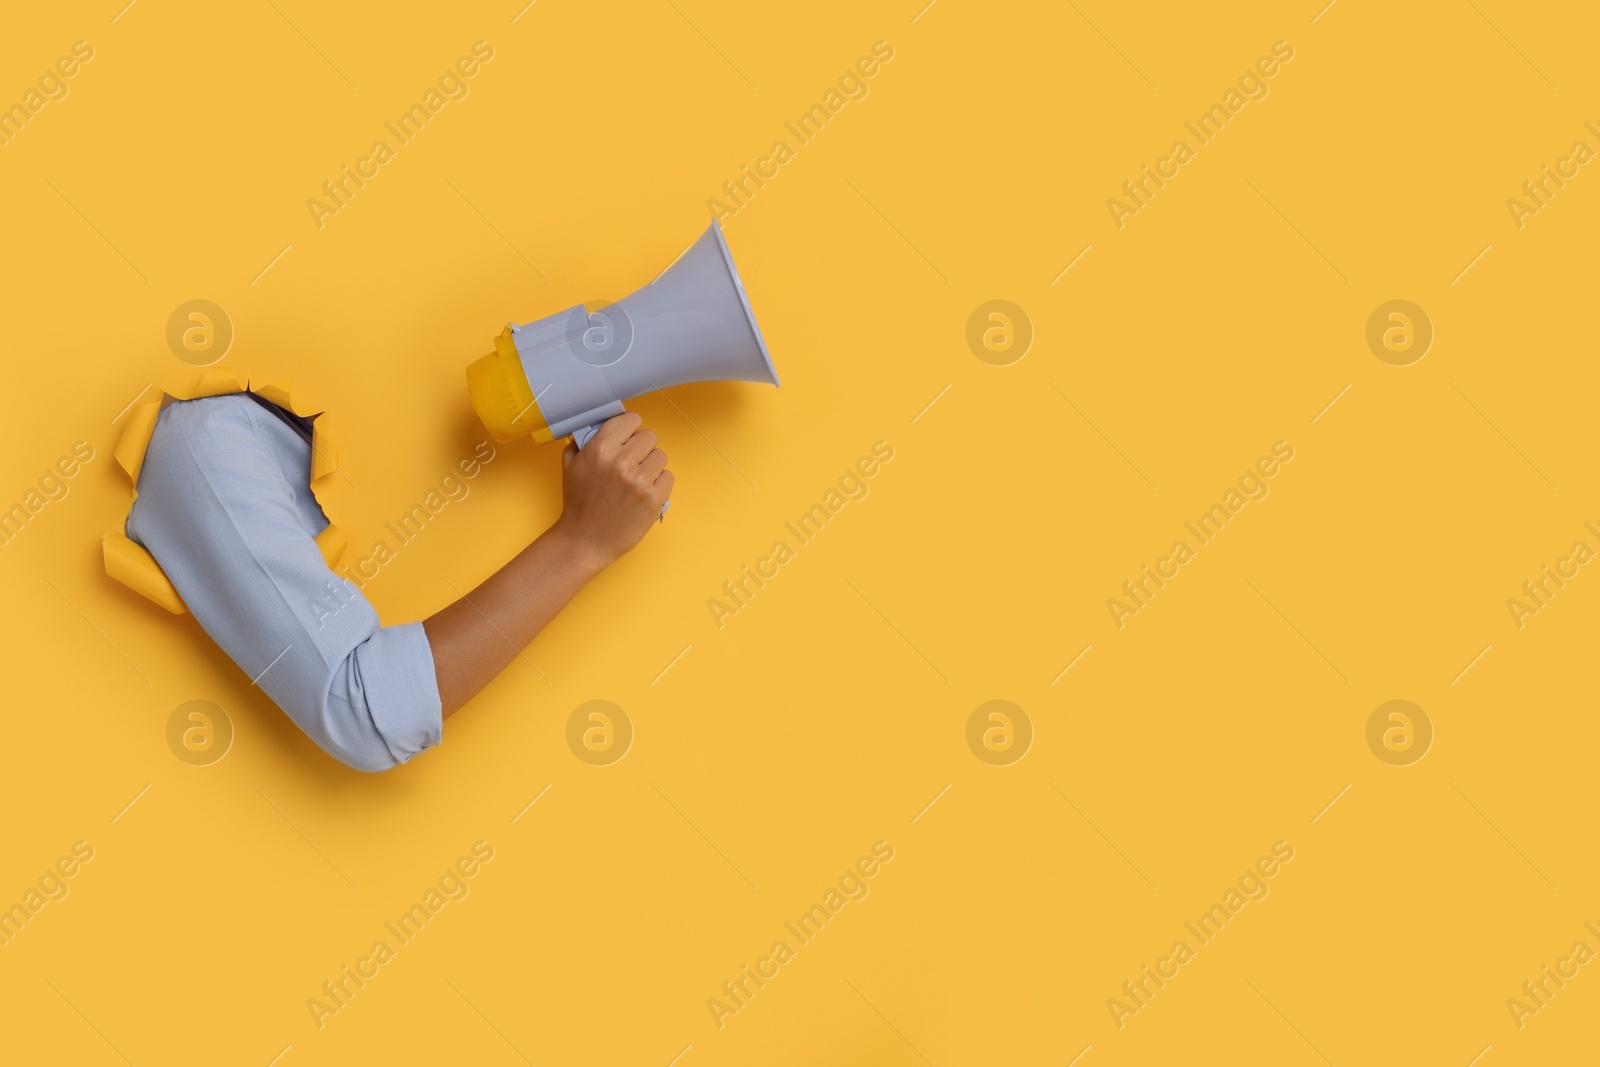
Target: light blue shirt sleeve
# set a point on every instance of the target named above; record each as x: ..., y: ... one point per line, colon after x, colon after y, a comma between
x: 225, y: 508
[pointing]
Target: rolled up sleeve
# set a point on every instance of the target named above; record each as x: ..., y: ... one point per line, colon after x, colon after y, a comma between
x: 236, y: 536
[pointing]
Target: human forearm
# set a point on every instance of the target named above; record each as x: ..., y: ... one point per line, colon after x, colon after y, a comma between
x: 611, y: 494
x: 477, y: 637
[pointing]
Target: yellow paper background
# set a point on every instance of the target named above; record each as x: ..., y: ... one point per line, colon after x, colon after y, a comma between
x: 772, y: 752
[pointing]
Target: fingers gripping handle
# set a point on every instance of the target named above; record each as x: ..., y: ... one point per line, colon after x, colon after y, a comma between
x: 583, y: 434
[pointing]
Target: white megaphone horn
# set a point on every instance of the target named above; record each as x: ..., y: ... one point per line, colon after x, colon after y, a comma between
x: 569, y: 372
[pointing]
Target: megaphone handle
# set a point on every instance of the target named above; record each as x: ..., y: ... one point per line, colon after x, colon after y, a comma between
x: 582, y: 435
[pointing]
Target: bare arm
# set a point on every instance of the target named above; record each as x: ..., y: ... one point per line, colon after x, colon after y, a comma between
x: 612, y: 493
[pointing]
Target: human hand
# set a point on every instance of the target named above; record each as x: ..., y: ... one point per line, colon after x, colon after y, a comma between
x: 613, y: 489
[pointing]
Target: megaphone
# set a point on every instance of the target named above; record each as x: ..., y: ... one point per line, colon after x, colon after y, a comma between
x: 567, y: 373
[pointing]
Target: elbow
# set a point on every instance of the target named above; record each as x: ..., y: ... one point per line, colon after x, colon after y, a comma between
x: 344, y: 733
x: 365, y: 758
x: 369, y: 712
